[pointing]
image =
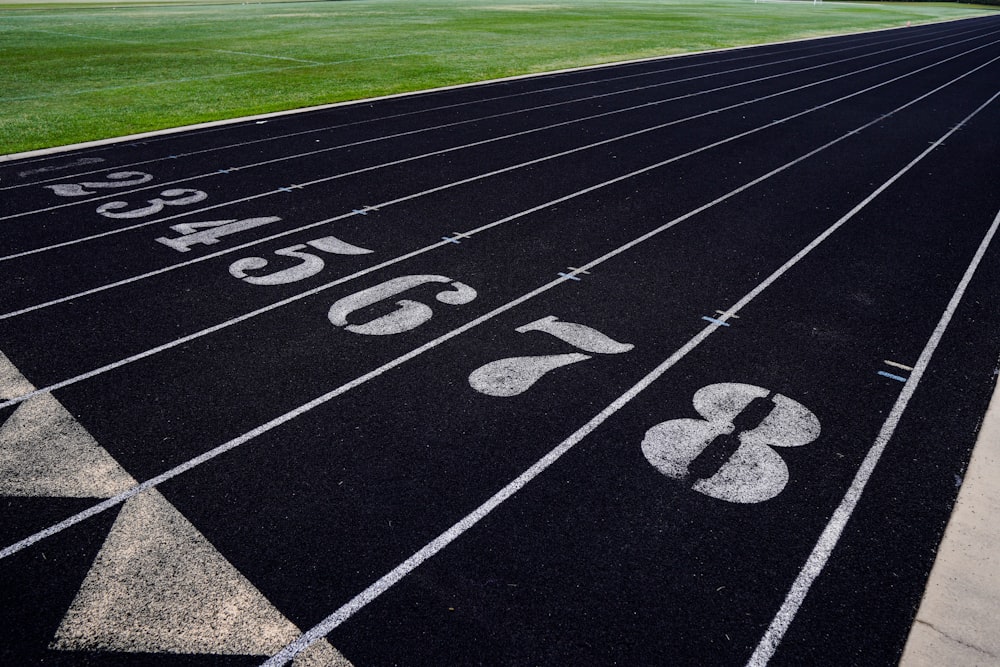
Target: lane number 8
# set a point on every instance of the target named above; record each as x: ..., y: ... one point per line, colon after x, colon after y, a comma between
x: 730, y: 454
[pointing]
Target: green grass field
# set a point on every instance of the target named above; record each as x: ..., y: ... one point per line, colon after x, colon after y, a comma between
x: 87, y: 70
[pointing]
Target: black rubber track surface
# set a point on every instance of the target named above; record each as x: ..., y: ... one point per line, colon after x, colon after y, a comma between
x: 755, y: 233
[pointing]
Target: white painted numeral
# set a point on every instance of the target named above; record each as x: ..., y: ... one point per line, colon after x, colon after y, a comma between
x: 119, y: 179
x: 730, y: 455
x: 175, y: 197
x: 515, y: 375
x: 212, y: 231
x: 309, y: 264
x: 409, y: 315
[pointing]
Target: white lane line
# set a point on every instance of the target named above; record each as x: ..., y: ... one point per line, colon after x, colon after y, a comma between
x: 447, y: 186
x: 831, y: 533
x: 288, y: 416
x: 447, y: 537
x: 490, y: 100
x: 316, y: 290
x: 215, y: 172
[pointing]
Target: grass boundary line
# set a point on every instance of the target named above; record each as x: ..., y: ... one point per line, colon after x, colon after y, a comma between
x: 55, y: 150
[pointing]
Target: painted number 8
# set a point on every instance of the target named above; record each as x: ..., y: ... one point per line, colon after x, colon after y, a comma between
x: 730, y: 454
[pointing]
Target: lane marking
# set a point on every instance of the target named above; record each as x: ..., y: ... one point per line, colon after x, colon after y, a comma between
x: 831, y: 533
x: 159, y: 586
x: 45, y: 170
x: 201, y: 129
x: 472, y: 179
x: 519, y: 111
x: 316, y: 290
x: 388, y: 580
x: 44, y: 451
x: 892, y: 377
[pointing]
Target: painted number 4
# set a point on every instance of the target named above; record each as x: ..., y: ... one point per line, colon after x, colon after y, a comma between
x: 731, y: 454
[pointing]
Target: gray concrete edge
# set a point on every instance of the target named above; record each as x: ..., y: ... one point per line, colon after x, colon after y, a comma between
x: 955, y: 624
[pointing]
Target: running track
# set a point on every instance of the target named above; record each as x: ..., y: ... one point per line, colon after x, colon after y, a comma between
x: 670, y: 362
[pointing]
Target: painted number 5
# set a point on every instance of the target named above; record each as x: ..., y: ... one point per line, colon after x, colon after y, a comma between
x: 730, y: 454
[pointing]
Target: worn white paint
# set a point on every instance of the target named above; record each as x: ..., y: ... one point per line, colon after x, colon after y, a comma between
x: 118, y: 179
x: 755, y: 472
x: 45, y: 452
x: 409, y: 315
x: 580, y: 336
x: 209, y: 233
x: 174, y: 197
x: 309, y: 264
x: 515, y: 375
x: 335, y: 246
x: 158, y: 586
x: 12, y: 383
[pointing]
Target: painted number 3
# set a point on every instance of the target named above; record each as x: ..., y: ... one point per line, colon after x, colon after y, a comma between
x: 731, y: 453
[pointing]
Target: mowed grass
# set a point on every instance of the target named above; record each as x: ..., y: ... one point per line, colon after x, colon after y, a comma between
x: 88, y: 70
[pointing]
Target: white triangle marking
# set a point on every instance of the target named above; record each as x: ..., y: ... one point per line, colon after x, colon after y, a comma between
x: 45, y: 452
x: 12, y: 383
x: 158, y: 586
